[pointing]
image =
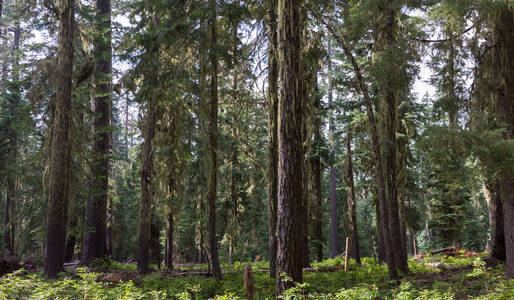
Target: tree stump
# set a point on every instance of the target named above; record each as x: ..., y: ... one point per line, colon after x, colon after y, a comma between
x: 248, y: 282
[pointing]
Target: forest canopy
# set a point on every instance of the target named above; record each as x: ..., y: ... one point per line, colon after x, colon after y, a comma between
x: 165, y: 133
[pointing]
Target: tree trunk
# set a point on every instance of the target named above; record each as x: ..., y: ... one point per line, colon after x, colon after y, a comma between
x: 58, y: 188
x: 12, y: 150
x: 503, y: 53
x: 71, y: 241
x: 353, y: 232
x: 386, y: 39
x: 497, y: 242
x: 272, y: 137
x: 146, y: 190
x: 9, y: 211
x: 213, y: 144
x: 109, y: 231
x: 332, y: 171
x: 95, y: 237
x: 317, y: 172
x: 402, y: 159
x: 289, y: 237
x: 380, y: 233
x: 168, y: 259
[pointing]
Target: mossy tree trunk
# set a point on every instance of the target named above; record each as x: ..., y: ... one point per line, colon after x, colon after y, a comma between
x: 95, y: 239
x: 58, y: 188
x: 145, y: 209
x: 503, y: 54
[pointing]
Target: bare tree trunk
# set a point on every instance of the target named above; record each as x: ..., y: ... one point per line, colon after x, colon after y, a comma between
x: 58, y: 190
x: 289, y: 237
x: 353, y: 232
x: 272, y: 136
x: 213, y: 144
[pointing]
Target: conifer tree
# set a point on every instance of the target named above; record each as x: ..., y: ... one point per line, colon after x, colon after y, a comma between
x: 58, y: 189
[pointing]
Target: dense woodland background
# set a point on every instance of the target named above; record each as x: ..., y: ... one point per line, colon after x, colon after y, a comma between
x: 204, y: 131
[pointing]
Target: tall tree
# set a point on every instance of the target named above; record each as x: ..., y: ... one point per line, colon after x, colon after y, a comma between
x: 386, y: 49
x: 289, y: 236
x: 502, y: 53
x: 375, y: 143
x: 351, y: 202
x: 152, y: 95
x: 332, y: 171
x: 212, y: 181
x: 95, y: 237
x: 12, y: 182
x: 272, y: 136
x: 143, y: 245
x: 58, y: 187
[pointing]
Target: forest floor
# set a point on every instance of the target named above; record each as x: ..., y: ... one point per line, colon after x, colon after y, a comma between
x: 431, y: 277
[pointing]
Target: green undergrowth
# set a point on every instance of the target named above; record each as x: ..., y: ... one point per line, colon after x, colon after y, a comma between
x: 366, y: 281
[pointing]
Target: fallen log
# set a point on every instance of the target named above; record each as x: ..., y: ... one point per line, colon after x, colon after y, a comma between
x: 442, y: 266
x: 450, y: 251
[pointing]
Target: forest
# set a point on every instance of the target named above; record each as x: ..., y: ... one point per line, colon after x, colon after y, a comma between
x: 257, y: 149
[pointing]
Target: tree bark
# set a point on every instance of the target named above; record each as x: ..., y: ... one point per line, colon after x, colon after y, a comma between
x: 332, y: 171
x: 146, y: 190
x: 353, y: 232
x: 497, y: 242
x: 272, y: 136
x: 213, y: 144
x: 168, y: 259
x: 289, y: 236
x: 503, y: 52
x: 95, y: 238
x: 71, y: 242
x: 58, y: 189
x: 386, y: 39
